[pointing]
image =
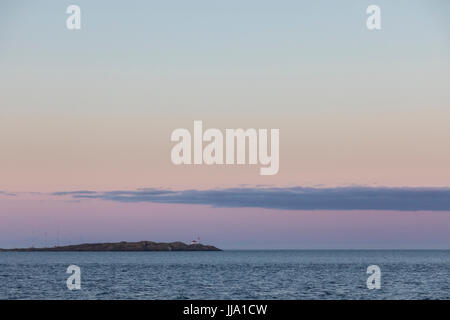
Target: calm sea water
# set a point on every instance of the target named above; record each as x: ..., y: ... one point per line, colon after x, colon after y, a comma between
x: 280, y: 274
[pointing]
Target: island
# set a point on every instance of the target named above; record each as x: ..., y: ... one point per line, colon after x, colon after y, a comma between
x: 123, y: 246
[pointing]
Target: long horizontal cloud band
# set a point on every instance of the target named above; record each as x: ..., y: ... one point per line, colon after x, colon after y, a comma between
x: 293, y: 198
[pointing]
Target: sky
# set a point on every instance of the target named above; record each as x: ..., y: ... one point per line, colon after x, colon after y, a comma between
x: 86, y: 117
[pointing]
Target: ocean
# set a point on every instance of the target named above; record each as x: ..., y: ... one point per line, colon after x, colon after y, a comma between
x: 232, y: 274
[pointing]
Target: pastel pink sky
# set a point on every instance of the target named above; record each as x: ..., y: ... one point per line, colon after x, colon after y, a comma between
x: 94, y: 109
x: 45, y: 153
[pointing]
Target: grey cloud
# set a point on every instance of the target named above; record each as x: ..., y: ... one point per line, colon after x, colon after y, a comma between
x: 292, y: 198
x: 8, y: 193
x: 66, y: 193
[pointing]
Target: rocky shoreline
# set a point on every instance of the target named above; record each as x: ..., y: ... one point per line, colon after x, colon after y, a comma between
x: 123, y: 246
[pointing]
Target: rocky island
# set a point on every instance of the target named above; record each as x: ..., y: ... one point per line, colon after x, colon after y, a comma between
x: 123, y: 246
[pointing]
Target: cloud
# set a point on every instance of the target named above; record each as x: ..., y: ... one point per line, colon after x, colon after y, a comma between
x: 65, y: 193
x: 292, y: 198
x: 8, y: 193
